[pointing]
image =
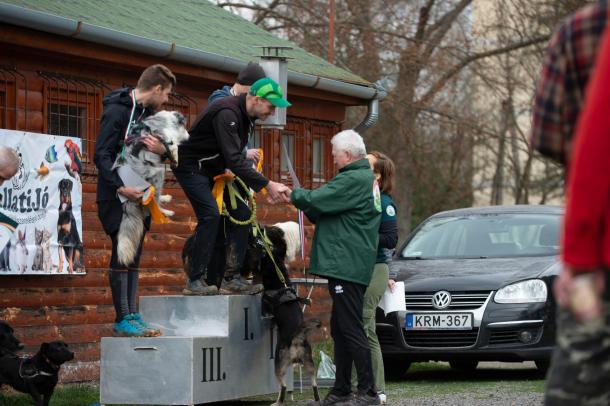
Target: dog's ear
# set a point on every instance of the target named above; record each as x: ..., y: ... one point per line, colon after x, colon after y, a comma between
x: 44, y: 348
x: 180, y: 118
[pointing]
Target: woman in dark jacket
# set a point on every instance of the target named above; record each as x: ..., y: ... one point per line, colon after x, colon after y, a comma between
x: 384, y: 170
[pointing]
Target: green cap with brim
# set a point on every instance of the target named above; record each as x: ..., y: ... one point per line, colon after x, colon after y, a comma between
x: 268, y: 89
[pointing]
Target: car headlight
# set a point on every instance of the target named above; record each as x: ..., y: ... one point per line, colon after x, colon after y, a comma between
x: 532, y: 291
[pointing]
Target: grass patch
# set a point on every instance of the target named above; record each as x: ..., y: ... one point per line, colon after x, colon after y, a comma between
x: 66, y: 395
x: 424, y: 380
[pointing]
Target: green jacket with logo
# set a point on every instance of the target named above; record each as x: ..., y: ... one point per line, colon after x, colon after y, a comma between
x: 346, y: 212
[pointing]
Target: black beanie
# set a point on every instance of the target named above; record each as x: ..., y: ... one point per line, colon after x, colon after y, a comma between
x: 250, y: 74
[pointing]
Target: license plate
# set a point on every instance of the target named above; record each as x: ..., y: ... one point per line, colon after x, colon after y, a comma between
x: 438, y: 321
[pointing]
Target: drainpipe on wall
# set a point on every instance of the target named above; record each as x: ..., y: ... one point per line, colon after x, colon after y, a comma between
x: 372, y: 115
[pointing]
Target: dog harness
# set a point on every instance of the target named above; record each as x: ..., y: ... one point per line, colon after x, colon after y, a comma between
x: 27, y: 369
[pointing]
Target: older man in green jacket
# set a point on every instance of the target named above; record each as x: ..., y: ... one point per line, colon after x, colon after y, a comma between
x: 346, y: 212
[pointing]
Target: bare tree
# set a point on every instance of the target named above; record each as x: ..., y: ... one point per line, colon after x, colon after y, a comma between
x: 427, y: 50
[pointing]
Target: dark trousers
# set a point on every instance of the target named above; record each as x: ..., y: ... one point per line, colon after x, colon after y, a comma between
x: 580, y: 367
x: 351, y: 343
x: 198, y: 188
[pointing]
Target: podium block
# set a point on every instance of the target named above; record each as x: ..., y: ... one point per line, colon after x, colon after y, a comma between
x: 214, y: 348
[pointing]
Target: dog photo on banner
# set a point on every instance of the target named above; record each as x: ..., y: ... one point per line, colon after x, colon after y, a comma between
x: 40, y: 207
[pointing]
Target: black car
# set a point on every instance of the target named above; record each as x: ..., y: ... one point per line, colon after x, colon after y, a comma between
x: 477, y: 288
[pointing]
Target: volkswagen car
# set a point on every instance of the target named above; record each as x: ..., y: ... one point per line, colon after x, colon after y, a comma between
x: 477, y: 288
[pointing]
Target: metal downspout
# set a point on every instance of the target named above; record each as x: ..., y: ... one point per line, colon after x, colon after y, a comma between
x: 372, y: 114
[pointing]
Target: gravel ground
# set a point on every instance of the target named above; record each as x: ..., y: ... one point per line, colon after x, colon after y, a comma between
x: 475, y: 399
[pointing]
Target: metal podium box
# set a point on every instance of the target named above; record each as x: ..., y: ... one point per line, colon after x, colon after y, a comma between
x: 214, y: 348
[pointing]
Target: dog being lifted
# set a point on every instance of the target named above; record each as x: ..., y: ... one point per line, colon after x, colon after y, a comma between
x: 280, y: 300
x: 37, y: 375
x: 167, y: 127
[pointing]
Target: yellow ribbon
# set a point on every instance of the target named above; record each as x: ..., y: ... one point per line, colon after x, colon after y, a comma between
x: 219, y: 187
x: 155, y: 212
x: 259, y: 168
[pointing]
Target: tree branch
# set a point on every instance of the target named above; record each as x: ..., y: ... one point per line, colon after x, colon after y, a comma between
x: 440, y: 83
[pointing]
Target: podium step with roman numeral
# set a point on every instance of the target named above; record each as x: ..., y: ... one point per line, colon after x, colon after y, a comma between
x: 214, y: 348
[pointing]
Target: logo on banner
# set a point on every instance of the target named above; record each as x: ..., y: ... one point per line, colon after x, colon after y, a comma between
x: 40, y: 207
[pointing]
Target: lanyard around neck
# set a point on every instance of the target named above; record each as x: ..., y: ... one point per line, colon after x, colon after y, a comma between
x: 133, y: 111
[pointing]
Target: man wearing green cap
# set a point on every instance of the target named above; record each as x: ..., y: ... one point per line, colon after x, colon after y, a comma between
x: 217, y: 138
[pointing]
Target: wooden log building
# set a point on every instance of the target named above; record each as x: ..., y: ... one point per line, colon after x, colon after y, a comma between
x: 57, y: 61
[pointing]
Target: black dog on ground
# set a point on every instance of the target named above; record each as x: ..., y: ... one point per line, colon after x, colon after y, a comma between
x: 37, y: 375
x: 8, y: 342
x: 281, y: 301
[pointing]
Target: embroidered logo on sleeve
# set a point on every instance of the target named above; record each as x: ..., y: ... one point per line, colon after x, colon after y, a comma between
x: 338, y: 289
x: 390, y: 211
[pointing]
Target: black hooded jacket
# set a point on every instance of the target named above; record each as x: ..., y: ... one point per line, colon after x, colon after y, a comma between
x: 217, y: 139
x: 115, y: 118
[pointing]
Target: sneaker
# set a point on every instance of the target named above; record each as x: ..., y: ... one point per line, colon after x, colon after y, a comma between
x: 126, y: 329
x: 136, y: 318
x: 238, y: 286
x: 363, y: 399
x: 382, y: 398
x: 199, y: 288
x: 332, y: 399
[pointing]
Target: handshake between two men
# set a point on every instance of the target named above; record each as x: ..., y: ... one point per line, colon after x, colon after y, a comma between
x: 278, y: 193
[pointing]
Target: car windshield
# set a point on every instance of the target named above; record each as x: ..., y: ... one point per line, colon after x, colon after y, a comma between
x: 485, y: 236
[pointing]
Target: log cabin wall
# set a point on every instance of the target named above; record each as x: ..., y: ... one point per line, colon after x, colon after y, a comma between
x: 54, y: 85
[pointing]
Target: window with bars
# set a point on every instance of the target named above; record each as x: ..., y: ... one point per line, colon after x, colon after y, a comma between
x: 72, y: 108
x: 67, y: 120
x: 318, y: 159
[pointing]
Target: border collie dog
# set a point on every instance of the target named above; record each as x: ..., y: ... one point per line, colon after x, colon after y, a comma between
x: 167, y: 127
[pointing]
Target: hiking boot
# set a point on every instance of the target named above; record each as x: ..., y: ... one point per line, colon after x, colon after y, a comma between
x: 136, y: 319
x: 238, y: 286
x: 199, y: 288
x: 332, y: 399
x: 126, y: 329
x: 363, y: 399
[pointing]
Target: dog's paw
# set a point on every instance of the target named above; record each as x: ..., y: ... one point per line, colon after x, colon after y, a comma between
x: 278, y: 404
x: 165, y: 198
x: 167, y: 213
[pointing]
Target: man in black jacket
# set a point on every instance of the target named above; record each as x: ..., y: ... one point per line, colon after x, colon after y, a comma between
x: 122, y: 109
x: 217, y: 139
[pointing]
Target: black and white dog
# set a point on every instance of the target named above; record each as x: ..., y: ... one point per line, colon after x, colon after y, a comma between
x: 168, y: 127
x: 281, y: 301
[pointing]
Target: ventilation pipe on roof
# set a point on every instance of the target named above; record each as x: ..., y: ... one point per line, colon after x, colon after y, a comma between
x: 275, y: 65
x: 372, y: 115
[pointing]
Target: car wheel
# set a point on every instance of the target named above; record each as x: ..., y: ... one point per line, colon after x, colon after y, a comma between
x: 464, y: 365
x: 395, y: 368
x: 543, y: 365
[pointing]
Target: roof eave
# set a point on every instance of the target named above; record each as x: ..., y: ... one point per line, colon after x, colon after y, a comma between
x: 51, y: 23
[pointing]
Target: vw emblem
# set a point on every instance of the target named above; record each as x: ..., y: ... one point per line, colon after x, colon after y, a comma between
x: 441, y: 299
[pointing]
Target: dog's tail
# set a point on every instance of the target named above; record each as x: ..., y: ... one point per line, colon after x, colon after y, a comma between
x: 292, y: 238
x: 130, y: 233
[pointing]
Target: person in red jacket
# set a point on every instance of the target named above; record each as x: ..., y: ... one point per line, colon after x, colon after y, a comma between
x: 580, y: 369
